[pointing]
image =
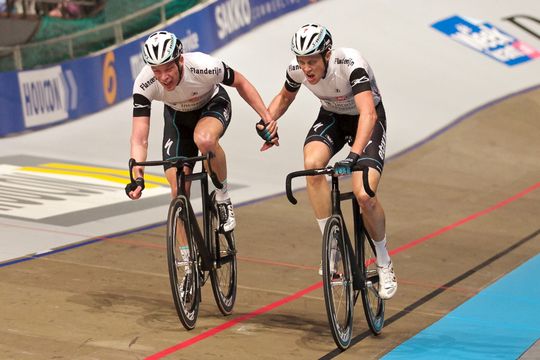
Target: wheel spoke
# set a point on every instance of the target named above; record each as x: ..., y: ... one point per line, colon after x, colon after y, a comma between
x: 183, y: 269
x: 223, y: 276
x: 338, y: 292
x: 373, y: 304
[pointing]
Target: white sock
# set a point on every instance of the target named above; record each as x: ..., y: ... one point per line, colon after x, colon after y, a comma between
x: 223, y: 193
x: 383, y: 258
x: 184, y: 251
x: 322, y: 223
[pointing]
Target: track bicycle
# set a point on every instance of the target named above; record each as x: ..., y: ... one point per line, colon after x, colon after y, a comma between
x: 194, y: 256
x: 349, y: 268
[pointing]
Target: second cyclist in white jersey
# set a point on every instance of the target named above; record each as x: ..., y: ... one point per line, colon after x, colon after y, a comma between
x: 197, y: 111
x: 351, y: 112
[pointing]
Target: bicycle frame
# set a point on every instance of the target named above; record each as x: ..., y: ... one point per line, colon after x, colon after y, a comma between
x: 203, y: 240
x: 352, y: 275
x: 207, y: 252
x: 337, y: 197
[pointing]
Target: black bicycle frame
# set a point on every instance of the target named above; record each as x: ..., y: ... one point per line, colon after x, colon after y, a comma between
x: 337, y: 197
x: 203, y: 242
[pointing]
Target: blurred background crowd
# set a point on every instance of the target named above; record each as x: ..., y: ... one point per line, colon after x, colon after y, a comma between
x: 36, y: 33
x: 68, y: 9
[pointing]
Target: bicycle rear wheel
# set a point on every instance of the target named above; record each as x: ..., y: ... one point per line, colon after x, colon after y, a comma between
x: 373, y: 304
x: 223, y: 275
x: 337, y: 283
x: 182, y: 259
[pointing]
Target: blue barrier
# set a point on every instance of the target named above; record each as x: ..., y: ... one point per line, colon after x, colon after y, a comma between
x: 34, y: 99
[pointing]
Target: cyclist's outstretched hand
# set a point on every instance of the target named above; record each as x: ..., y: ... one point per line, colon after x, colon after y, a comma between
x: 344, y: 167
x: 134, y: 189
x: 267, y: 132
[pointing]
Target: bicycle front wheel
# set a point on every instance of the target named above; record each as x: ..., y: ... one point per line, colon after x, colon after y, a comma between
x: 373, y: 304
x: 182, y: 257
x: 337, y: 283
x: 223, y: 273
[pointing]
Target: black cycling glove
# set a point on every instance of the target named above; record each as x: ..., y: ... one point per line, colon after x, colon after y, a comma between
x: 134, y: 184
x: 344, y: 167
x: 264, y: 133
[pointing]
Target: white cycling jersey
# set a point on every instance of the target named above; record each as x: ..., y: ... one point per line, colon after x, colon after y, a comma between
x: 201, y: 74
x: 348, y: 74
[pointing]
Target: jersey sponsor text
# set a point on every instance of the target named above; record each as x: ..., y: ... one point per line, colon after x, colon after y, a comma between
x: 214, y: 71
x: 145, y: 85
x: 344, y: 61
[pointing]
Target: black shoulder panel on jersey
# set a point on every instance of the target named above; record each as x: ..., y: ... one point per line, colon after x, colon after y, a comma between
x: 228, y: 76
x: 141, y: 105
x: 359, y: 81
x: 291, y: 85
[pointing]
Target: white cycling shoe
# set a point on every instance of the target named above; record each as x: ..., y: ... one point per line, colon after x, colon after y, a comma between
x: 387, y: 281
x: 226, y: 215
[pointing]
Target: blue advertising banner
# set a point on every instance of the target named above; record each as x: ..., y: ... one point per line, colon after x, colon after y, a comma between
x: 10, y: 104
x: 38, y: 98
x: 487, y: 39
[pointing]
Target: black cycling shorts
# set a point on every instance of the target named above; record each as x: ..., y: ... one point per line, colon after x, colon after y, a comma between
x: 335, y: 130
x: 179, y: 126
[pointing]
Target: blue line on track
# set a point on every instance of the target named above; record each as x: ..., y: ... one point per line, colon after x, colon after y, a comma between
x: 501, y: 322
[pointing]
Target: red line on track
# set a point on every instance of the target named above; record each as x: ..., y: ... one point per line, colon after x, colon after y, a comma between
x: 267, y: 308
x: 233, y: 322
x: 465, y: 220
x: 275, y: 263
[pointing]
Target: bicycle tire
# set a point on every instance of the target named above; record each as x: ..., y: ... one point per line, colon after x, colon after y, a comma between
x: 338, y: 283
x: 373, y: 304
x: 223, y: 275
x: 183, y: 268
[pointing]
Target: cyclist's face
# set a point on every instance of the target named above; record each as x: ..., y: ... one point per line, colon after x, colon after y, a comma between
x: 312, y: 66
x: 167, y: 75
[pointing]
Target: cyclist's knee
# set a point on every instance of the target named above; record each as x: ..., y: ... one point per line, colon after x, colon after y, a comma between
x: 366, y: 202
x: 313, y: 162
x: 205, y: 142
x: 315, y: 181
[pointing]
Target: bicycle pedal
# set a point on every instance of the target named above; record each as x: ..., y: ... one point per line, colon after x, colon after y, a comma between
x: 221, y: 230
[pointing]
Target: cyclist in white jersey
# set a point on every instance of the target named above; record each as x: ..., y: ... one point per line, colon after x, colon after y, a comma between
x: 197, y: 111
x: 351, y: 112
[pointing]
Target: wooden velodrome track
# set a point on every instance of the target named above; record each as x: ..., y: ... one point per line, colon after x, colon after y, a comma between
x: 462, y: 211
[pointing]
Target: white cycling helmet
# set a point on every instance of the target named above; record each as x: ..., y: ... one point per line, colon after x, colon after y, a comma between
x: 311, y: 39
x: 161, y: 47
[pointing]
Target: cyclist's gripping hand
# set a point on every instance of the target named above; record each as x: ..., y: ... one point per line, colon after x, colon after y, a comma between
x: 134, y: 189
x: 267, y: 132
x: 344, y: 167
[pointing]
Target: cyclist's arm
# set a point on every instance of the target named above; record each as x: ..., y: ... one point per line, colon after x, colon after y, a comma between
x: 281, y: 102
x: 140, y: 130
x: 366, y: 121
x: 248, y: 92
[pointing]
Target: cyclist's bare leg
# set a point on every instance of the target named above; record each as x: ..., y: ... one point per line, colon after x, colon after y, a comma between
x: 374, y: 220
x: 206, y: 136
x: 170, y: 174
x: 317, y: 155
x: 372, y: 210
x: 181, y: 235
